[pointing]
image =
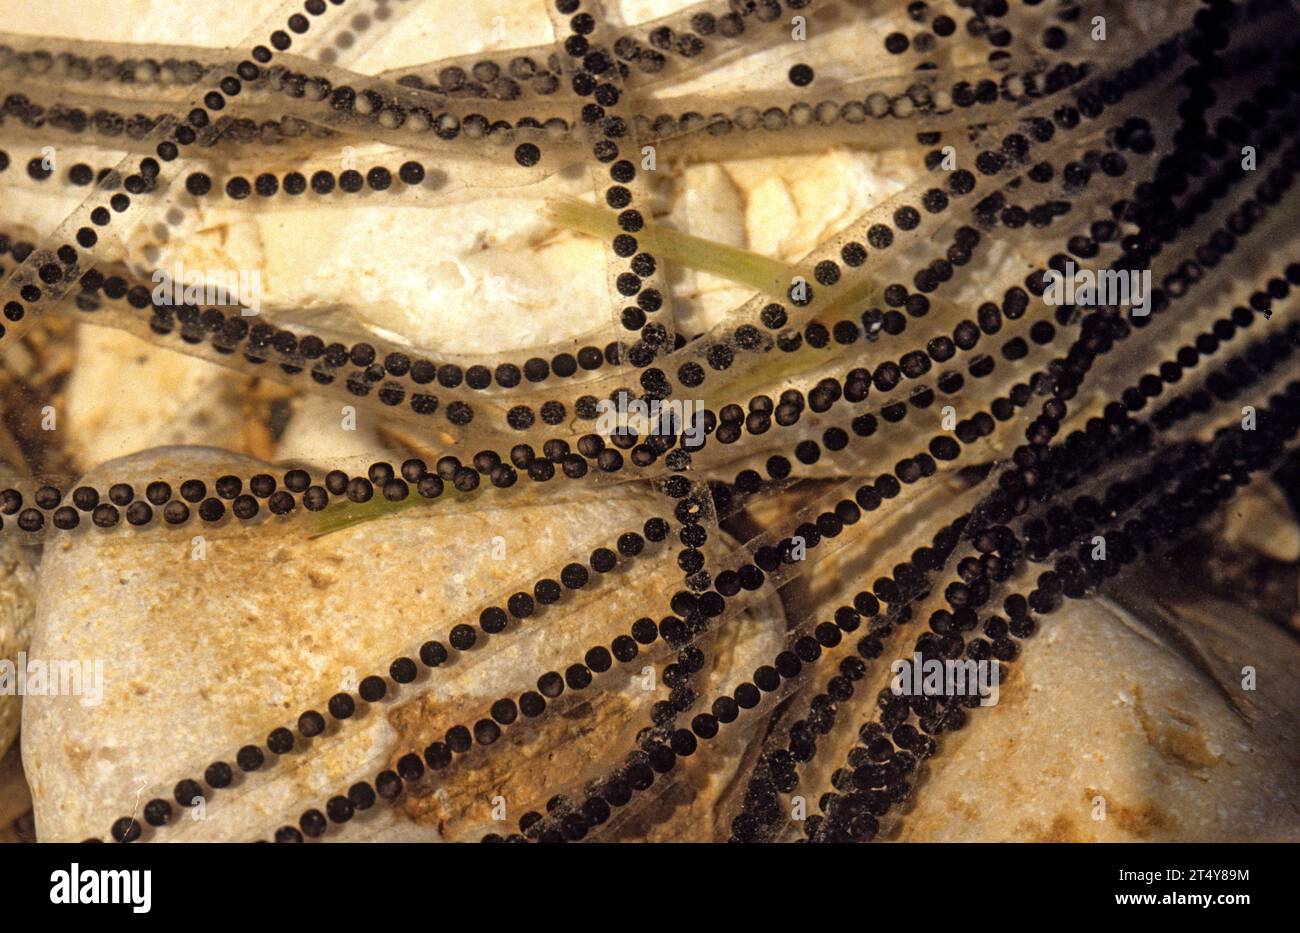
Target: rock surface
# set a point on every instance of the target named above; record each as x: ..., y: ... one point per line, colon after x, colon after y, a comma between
x: 1140, y: 704
x: 1262, y: 519
x: 203, y: 656
x: 17, y: 606
x: 1159, y: 742
x: 477, y: 271
x: 126, y: 395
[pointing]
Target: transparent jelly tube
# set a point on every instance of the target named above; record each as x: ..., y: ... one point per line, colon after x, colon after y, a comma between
x: 34, y: 288
x: 676, y: 54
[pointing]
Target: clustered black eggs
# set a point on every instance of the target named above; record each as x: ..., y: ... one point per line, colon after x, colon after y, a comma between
x: 1032, y: 515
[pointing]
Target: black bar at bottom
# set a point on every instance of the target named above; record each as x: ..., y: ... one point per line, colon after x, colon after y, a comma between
x: 386, y: 883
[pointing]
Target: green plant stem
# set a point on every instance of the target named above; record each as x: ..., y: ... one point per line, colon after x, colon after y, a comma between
x: 736, y: 265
